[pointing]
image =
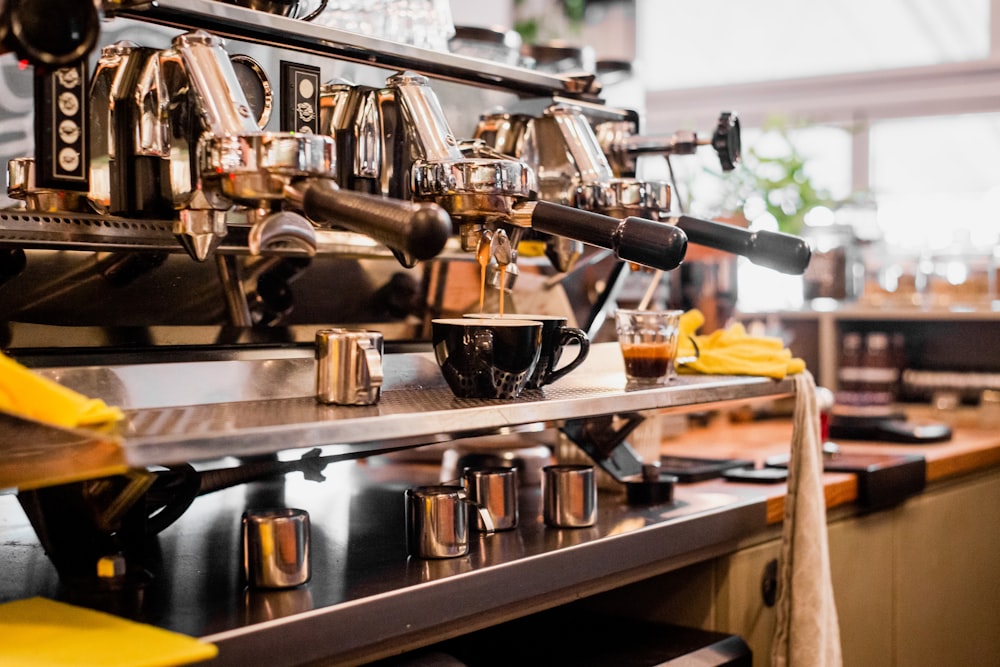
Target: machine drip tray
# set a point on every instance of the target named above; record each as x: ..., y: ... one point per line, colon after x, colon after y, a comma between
x: 570, y: 636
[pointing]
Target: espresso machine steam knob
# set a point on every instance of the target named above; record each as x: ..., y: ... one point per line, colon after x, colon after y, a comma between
x: 726, y: 140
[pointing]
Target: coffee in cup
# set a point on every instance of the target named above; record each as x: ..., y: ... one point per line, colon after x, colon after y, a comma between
x: 486, y: 357
x: 556, y: 335
x: 648, y: 340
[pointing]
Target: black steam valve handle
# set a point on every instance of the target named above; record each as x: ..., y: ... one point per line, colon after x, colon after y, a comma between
x: 726, y: 140
x: 775, y: 250
x: 418, y: 230
x: 647, y: 242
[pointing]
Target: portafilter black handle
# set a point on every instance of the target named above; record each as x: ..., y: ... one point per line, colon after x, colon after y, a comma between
x: 654, y: 244
x: 418, y: 230
x: 774, y: 250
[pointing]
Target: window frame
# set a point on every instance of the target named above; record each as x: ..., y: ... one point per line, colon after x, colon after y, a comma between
x: 852, y: 100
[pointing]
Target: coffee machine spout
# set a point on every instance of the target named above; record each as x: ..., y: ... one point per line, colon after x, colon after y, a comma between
x: 199, y: 227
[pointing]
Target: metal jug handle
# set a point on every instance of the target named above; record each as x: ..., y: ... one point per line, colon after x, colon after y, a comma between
x: 372, y: 367
x: 484, y: 513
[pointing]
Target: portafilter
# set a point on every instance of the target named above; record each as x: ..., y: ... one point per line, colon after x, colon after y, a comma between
x: 262, y: 168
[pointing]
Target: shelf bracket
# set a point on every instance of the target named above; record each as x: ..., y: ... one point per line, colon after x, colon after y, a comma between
x: 603, y: 440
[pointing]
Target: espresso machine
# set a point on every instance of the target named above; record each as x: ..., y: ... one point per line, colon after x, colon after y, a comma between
x: 163, y: 195
x: 174, y: 143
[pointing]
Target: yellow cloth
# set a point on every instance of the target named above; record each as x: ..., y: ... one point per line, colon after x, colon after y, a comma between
x: 44, y: 633
x: 30, y: 395
x: 731, y: 351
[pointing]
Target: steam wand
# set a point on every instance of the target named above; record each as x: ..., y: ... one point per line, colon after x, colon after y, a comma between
x: 654, y: 284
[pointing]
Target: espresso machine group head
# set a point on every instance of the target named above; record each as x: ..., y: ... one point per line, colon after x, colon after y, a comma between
x: 403, y: 147
x: 174, y: 138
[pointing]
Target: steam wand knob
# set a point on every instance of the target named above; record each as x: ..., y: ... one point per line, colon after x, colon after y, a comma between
x: 726, y: 140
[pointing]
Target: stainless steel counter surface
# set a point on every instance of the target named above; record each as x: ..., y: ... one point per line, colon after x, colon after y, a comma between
x: 366, y: 598
x: 184, y: 412
x: 200, y: 411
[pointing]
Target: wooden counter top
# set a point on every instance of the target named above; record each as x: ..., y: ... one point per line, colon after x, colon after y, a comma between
x: 969, y: 450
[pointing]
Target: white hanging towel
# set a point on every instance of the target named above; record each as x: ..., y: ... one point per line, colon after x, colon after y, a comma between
x: 807, y: 632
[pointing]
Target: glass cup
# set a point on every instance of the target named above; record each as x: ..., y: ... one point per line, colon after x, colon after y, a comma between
x: 292, y: 8
x: 648, y: 340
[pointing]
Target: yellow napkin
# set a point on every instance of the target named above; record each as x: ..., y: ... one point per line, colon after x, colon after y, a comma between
x: 44, y: 633
x: 731, y: 351
x: 30, y: 395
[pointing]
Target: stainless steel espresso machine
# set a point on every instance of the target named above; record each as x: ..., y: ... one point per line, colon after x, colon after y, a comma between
x: 211, y: 183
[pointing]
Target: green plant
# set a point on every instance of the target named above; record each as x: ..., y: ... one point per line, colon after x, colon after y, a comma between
x: 529, y: 25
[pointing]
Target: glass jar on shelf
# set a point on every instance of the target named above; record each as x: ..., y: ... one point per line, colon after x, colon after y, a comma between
x: 892, y: 277
x: 961, y: 276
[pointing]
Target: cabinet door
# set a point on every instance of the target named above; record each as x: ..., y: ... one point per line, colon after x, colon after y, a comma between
x: 740, y: 607
x: 915, y: 586
x: 861, y: 567
x: 947, y: 545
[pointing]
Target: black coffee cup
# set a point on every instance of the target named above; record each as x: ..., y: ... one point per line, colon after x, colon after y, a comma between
x: 555, y: 336
x: 486, y: 357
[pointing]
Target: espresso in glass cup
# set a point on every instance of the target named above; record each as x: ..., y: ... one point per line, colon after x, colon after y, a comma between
x: 648, y: 340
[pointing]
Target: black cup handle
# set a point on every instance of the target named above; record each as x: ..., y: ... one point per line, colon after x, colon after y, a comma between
x: 320, y: 8
x: 566, y: 336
